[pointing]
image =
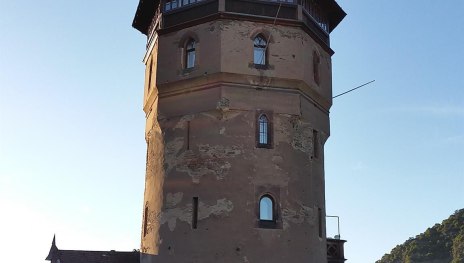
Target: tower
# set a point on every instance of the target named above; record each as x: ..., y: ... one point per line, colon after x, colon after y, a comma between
x: 237, y: 98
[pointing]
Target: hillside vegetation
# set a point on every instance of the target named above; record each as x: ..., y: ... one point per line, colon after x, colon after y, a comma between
x: 442, y: 243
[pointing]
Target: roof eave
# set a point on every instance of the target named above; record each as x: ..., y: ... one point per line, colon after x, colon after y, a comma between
x: 144, y: 15
x: 336, y: 15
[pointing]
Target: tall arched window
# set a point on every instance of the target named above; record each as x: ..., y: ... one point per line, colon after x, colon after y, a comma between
x: 190, y: 54
x: 266, y: 208
x: 259, y: 50
x: 263, y: 130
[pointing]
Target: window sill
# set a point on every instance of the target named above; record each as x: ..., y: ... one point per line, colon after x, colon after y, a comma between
x: 187, y: 71
x: 265, y: 146
x: 268, y: 224
x: 260, y: 66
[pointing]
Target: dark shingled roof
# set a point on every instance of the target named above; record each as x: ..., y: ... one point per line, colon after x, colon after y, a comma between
x: 146, y: 11
x: 144, y: 14
x: 85, y: 256
x: 81, y: 256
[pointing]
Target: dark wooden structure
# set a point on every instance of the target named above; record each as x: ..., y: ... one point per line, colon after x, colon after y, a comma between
x: 335, y: 250
x: 317, y: 17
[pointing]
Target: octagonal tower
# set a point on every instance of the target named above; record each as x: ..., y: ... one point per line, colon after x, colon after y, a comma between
x: 237, y: 98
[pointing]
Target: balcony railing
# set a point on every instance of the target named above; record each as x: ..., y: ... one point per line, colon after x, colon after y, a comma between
x: 310, y: 7
x: 316, y: 13
x: 174, y: 4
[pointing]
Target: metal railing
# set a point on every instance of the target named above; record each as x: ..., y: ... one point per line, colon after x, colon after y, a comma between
x: 310, y: 7
x: 174, y: 4
x: 313, y: 9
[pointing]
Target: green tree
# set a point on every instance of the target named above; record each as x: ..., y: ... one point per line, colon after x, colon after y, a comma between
x: 458, y: 248
x: 441, y: 243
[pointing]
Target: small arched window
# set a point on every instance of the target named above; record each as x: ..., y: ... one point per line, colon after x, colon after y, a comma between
x: 263, y: 130
x: 190, y: 54
x: 266, y: 208
x: 259, y: 50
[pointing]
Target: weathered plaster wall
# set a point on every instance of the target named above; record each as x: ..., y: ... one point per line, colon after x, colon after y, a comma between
x: 290, y: 53
x: 226, y: 47
x: 201, y: 134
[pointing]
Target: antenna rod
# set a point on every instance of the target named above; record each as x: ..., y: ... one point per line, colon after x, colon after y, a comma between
x: 353, y: 89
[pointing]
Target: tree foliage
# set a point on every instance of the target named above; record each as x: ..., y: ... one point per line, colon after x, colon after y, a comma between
x: 442, y: 243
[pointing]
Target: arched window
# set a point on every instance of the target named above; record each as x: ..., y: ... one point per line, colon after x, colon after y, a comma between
x: 259, y: 50
x: 190, y: 54
x: 266, y: 208
x: 263, y: 130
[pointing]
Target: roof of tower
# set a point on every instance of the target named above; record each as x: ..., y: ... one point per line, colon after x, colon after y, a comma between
x: 144, y: 14
x: 146, y: 10
x: 53, y: 250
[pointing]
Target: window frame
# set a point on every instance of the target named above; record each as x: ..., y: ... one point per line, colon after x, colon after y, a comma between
x: 273, y: 192
x: 264, y: 50
x: 270, y: 133
x: 273, y: 217
x: 188, y: 51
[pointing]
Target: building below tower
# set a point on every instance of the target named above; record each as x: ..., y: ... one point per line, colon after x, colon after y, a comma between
x: 85, y: 256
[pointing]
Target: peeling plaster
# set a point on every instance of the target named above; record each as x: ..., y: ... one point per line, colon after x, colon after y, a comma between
x: 171, y: 151
x: 298, y: 216
x: 181, y: 123
x: 292, y: 130
x: 170, y: 215
x: 151, y: 220
x: 173, y: 199
x: 277, y: 160
x: 282, y: 133
x: 302, y: 136
x: 209, y: 160
x: 206, y: 159
x: 223, y: 104
x: 229, y: 115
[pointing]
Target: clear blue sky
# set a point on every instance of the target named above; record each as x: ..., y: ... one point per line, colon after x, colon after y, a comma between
x: 72, y: 150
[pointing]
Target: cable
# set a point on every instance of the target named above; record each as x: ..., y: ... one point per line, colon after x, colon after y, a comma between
x: 353, y: 89
x: 270, y: 34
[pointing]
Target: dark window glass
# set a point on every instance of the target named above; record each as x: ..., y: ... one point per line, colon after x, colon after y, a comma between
x: 316, y: 61
x: 149, y: 74
x: 315, y: 144
x: 145, y: 221
x: 195, y: 213
x: 319, y: 215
